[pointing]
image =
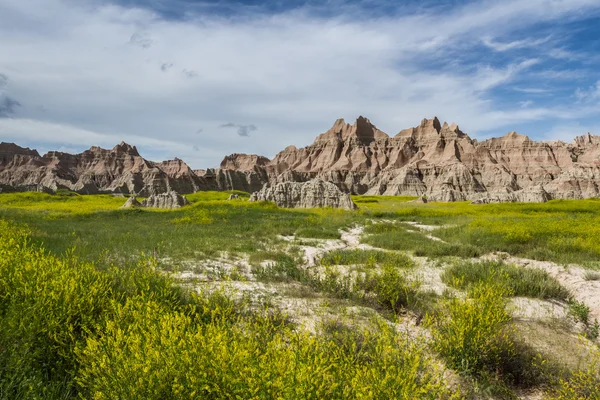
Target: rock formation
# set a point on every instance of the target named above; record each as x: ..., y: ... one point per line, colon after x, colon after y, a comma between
x: 119, y: 170
x: 433, y: 159
x: 167, y: 200
x: 442, y: 162
x: 131, y: 203
x: 311, y: 194
x: 245, y: 172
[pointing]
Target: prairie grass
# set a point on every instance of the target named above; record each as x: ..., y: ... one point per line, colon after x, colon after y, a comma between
x: 101, y: 232
x: 398, y: 237
x: 527, y: 282
x: 559, y: 230
x: 591, y: 276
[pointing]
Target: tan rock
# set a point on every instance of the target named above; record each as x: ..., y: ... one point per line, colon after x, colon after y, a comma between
x: 131, y: 203
x: 169, y: 200
x: 311, y: 194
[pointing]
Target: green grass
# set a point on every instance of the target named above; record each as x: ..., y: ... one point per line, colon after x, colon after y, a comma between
x: 561, y: 231
x: 564, y: 231
x: 398, y: 237
x: 99, y: 230
x: 527, y: 282
x: 366, y: 257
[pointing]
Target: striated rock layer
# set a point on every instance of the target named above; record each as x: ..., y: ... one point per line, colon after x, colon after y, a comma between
x: 438, y: 160
x: 169, y: 200
x: 311, y: 194
x: 119, y: 170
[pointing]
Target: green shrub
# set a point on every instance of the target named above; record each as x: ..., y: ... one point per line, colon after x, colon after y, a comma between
x: 579, y: 311
x: 473, y: 335
x: 392, y: 288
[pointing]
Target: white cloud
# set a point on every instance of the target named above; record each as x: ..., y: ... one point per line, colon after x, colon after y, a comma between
x: 517, y: 44
x: 89, y: 74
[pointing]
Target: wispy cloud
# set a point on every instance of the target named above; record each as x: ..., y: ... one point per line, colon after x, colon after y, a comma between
x: 531, y: 90
x: 526, y: 103
x: 516, y: 44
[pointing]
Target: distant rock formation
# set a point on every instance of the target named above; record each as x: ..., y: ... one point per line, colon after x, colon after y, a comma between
x: 245, y: 172
x: 311, y: 194
x: 119, y: 170
x: 169, y: 200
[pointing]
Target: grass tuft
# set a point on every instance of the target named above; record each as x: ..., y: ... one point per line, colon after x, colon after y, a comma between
x: 527, y: 282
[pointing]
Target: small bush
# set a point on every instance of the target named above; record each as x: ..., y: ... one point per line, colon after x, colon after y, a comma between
x: 579, y: 311
x: 392, y: 288
x: 473, y: 335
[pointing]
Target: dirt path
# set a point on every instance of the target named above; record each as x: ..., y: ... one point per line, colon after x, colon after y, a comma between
x: 350, y: 240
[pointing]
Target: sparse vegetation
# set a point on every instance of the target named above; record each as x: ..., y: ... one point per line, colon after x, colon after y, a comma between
x: 528, y: 282
x: 369, y: 258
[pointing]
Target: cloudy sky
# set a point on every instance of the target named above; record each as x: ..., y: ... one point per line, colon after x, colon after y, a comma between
x: 202, y: 79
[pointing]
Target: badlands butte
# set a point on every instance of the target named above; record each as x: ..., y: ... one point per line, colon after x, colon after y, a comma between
x: 432, y: 159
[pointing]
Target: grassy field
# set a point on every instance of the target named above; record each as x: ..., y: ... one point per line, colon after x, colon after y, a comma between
x: 90, y: 306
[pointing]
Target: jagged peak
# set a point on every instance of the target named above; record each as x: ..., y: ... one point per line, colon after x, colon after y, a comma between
x: 125, y: 148
x: 12, y: 148
x: 587, y: 139
x: 513, y: 135
x: 434, y: 122
x: 364, y: 129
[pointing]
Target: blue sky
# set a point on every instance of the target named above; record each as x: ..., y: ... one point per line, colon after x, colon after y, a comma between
x: 202, y: 79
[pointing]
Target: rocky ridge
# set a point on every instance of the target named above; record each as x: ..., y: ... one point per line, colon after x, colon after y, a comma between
x: 97, y: 170
x: 433, y: 159
x: 442, y: 162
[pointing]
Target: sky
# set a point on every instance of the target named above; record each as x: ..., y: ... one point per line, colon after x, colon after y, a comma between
x: 202, y: 79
